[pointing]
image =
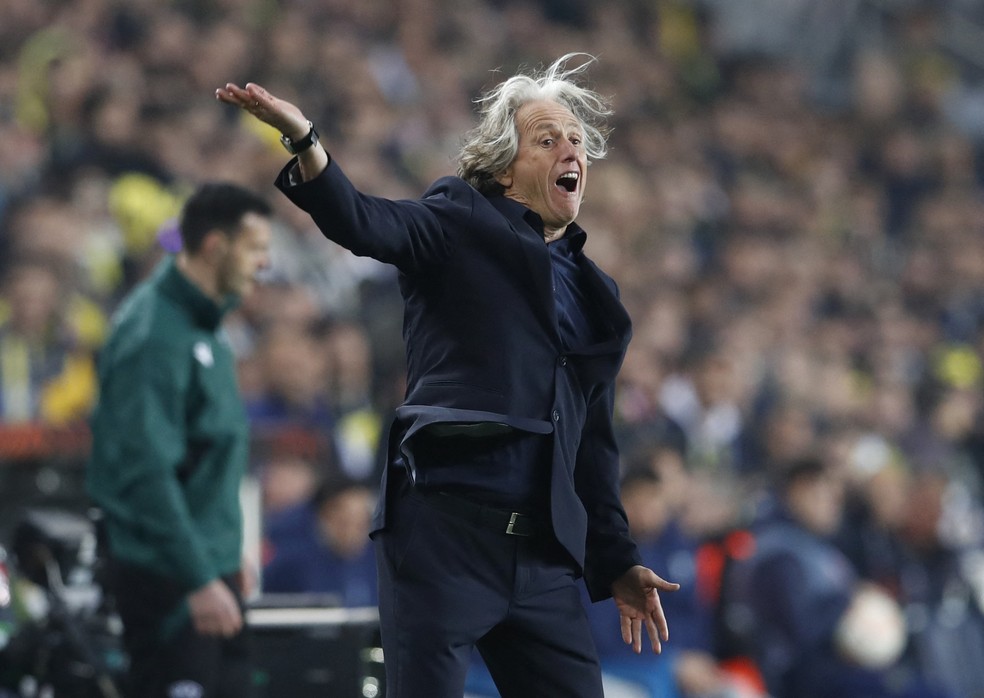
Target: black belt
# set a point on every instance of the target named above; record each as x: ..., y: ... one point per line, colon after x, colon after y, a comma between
x: 511, y: 523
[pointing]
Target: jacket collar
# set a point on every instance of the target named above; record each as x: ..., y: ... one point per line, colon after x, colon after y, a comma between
x: 528, y: 229
x: 175, y: 285
x: 520, y: 216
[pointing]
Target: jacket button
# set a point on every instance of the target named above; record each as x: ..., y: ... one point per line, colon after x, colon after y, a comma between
x: 556, y: 416
x: 563, y: 360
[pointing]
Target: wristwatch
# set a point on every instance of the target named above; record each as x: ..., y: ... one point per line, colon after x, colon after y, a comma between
x: 301, y: 144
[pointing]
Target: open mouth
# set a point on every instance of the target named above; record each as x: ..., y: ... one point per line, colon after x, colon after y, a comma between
x: 568, y: 181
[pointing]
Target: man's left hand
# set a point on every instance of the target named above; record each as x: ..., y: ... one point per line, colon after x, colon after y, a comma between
x: 636, y: 596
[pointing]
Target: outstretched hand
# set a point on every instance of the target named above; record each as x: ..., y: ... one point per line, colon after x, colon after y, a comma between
x: 279, y: 113
x: 636, y: 596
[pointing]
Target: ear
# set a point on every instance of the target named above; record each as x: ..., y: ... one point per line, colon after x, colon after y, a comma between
x: 215, y: 246
x: 505, y: 178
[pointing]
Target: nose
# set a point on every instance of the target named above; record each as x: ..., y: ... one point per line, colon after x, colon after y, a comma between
x: 569, y: 151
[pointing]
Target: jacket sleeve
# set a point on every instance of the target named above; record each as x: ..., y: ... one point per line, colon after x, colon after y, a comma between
x: 140, y: 445
x: 408, y: 234
x: 609, y: 551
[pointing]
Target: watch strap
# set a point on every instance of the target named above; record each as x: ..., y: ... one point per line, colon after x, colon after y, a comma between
x: 301, y: 144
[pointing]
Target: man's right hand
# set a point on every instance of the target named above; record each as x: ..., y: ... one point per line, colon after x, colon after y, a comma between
x: 279, y: 113
x: 283, y: 116
x: 214, y: 610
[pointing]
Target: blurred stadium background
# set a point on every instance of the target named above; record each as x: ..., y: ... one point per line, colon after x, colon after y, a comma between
x: 792, y: 208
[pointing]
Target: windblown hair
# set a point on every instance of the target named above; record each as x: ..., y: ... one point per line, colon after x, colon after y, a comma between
x: 490, y: 147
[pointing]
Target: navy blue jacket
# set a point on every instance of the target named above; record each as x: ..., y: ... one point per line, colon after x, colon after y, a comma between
x: 483, y: 346
x: 789, y: 596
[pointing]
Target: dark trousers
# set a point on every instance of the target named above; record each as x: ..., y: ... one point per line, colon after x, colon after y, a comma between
x: 447, y: 585
x: 171, y: 660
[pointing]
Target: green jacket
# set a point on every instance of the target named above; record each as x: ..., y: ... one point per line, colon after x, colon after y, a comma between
x: 170, y: 434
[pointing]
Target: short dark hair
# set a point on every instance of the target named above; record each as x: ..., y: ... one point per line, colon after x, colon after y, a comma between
x: 639, y: 475
x: 802, y: 469
x: 21, y: 260
x: 334, y: 486
x: 219, y: 205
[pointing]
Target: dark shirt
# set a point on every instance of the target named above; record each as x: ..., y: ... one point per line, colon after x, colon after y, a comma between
x: 576, y: 312
x: 513, y: 469
x: 300, y: 561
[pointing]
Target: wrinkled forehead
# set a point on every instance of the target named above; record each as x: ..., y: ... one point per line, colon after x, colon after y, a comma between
x: 545, y: 113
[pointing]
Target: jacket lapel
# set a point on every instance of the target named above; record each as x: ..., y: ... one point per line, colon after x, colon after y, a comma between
x: 611, y: 310
x: 536, y: 258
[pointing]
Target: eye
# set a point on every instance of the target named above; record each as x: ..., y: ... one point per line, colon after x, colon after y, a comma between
x: 547, y: 142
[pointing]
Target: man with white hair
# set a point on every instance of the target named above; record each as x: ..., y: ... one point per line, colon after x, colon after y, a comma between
x: 502, y: 485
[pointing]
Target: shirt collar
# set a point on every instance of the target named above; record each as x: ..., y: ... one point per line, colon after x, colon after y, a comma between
x: 205, y: 311
x: 574, y: 237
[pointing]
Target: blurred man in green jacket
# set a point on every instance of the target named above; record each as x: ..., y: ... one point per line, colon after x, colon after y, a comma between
x: 170, y: 445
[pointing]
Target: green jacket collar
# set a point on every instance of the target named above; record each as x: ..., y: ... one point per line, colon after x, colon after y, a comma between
x: 175, y: 285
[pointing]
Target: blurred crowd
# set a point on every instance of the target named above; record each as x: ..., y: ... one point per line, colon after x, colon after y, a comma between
x: 792, y: 207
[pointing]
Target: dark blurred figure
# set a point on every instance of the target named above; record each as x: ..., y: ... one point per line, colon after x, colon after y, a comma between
x: 295, y: 382
x: 813, y: 627
x: 687, y: 669
x: 46, y: 373
x: 323, y: 546
x: 941, y: 583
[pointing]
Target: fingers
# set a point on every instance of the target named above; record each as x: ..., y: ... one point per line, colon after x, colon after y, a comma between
x: 654, y: 608
x: 658, y: 619
x: 234, y: 623
x: 230, y: 619
x: 233, y: 94
x: 654, y: 636
x: 229, y: 624
x: 664, y: 585
x: 215, y: 611
x: 252, y: 98
x: 255, y: 100
x: 626, y: 624
x: 224, y: 622
x: 656, y: 625
x: 637, y: 635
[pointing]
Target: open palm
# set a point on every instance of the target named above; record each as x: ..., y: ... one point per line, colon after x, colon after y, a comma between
x: 636, y: 595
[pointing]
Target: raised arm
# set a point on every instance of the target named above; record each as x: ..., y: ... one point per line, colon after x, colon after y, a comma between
x: 409, y: 234
x: 283, y: 116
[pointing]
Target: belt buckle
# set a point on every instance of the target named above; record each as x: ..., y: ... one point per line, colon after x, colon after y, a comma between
x: 513, y: 517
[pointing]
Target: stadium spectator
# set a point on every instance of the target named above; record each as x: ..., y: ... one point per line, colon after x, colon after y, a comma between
x: 324, y: 547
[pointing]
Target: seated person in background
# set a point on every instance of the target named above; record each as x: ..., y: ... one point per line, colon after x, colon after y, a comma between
x: 46, y: 373
x: 294, y: 369
x: 289, y: 482
x: 328, y: 549
x: 812, y: 625
x: 687, y: 668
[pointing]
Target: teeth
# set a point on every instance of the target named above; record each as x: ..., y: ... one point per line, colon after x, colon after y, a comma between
x: 568, y: 181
